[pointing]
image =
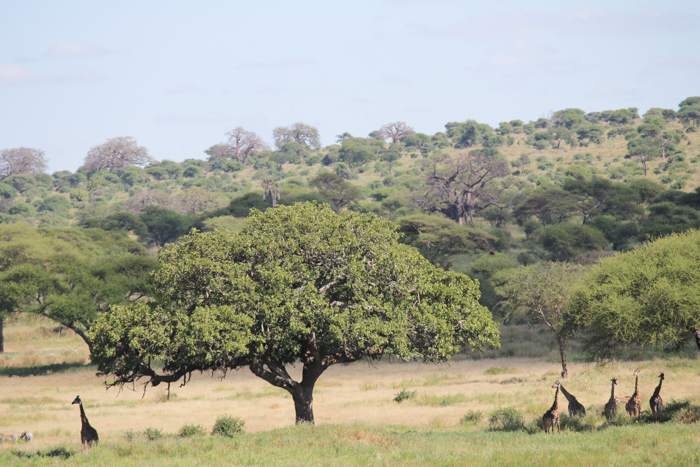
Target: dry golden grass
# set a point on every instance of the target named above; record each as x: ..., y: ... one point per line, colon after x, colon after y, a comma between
x: 359, y: 393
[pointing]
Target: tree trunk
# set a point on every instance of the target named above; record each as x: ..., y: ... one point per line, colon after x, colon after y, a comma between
x: 562, y: 348
x: 696, y: 332
x: 2, y: 334
x: 303, y: 405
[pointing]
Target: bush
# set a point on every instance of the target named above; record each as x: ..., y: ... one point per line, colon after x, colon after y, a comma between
x: 506, y: 419
x: 228, y: 426
x: 471, y: 417
x: 404, y: 394
x: 188, y: 431
x: 153, y: 433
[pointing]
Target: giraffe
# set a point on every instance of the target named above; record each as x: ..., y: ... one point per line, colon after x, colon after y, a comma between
x: 27, y: 435
x: 88, y: 435
x: 634, y: 405
x: 575, y: 407
x: 656, y: 402
x: 611, y: 407
x: 551, y: 416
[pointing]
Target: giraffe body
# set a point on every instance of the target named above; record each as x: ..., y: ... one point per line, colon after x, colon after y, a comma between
x: 656, y: 402
x: 611, y: 406
x: 88, y: 435
x: 634, y: 405
x: 575, y: 407
x: 551, y: 417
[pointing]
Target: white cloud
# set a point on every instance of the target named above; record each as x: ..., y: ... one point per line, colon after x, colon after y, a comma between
x: 18, y: 74
x: 70, y: 50
x: 14, y: 73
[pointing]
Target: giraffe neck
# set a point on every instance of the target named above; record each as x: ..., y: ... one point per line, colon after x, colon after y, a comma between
x: 636, y: 384
x: 555, y: 406
x: 83, y: 418
x: 658, y: 388
x: 566, y: 393
x: 612, y: 392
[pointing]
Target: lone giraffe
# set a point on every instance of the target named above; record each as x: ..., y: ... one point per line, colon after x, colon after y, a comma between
x: 656, y: 402
x: 575, y: 407
x: 88, y: 435
x: 611, y: 407
x: 634, y: 405
x: 551, y: 416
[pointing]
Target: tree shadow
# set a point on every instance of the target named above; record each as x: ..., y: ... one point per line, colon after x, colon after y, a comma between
x: 60, y: 452
x: 40, y: 370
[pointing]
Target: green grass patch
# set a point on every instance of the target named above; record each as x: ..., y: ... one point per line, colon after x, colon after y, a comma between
x: 499, y: 370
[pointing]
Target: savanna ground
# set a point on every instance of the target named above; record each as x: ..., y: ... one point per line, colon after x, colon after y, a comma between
x: 443, y: 420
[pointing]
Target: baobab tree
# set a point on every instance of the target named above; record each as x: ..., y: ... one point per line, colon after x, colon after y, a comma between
x: 242, y: 143
x: 458, y: 185
x: 28, y: 161
x: 115, y: 153
x: 299, y: 132
x: 396, y: 131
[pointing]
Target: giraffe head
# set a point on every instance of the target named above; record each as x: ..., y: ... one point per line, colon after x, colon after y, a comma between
x: 636, y: 372
x: 77, y: 400
x: 661, y: 376
x: 614, y: 381
x: 556, y: 385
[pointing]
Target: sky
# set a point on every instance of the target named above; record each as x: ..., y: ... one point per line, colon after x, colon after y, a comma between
x: 177, y: 75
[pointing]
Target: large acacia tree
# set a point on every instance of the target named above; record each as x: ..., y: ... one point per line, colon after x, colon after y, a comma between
x: 650, y: 295
x: 69, y: 275
x: 299, y: 284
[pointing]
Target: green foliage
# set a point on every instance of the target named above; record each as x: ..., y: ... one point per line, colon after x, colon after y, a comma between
x: 340, y: 193
x: 152, y: 434
x: 404, y: 394
x: 295, y: 278
x: 69, y: 275
x: 646, y: 296
x: 471, y: 417
x: 506, y: 419
x: 565, y: 242
x: 228, y: 426
x: 438, y: 238
x: 189, y: 431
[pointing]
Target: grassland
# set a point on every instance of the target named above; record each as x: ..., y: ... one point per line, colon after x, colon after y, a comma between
x: 358, y: 422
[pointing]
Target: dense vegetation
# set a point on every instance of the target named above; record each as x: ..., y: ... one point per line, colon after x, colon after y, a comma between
x: 573, y: 187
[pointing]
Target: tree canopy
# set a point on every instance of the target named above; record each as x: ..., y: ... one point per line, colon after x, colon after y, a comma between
x: 543, y: 290
x: 22, y: 161
x: 298, y: 284
x: 69, y: 275
x: 115, y: 153
x: 646, y: 296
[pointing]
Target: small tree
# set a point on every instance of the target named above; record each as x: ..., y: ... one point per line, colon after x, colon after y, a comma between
x: 271, y: 190
x: 543, y: 290
x: 299, y: 284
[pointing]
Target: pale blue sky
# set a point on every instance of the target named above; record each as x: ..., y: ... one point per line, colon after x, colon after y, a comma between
x: 177, y: 75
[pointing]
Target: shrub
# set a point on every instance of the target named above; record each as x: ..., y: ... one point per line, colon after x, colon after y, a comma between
x: 404, y: 394
x: 227, y: 425
x: 471, y: 417
x: 188, y: 431
x: 506, y: 419
x: 153, y: 433
x: 689, y: 414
